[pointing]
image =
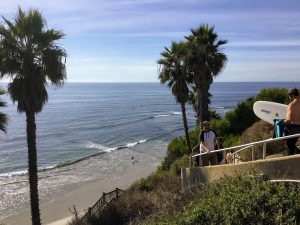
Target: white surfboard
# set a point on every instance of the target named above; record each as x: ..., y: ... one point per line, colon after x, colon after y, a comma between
x: 268, y: 111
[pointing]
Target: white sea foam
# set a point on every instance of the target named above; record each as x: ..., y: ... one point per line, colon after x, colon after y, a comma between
x: 92, y: 145
x: 143, y: 141
x: 166, y: 115
x: 25, y: 172
x: 50, y: 167
x: 132, y: 144
x: 14, y: 173
x: 175, y: 113
x: 163, y: 115
x: 47, y: 168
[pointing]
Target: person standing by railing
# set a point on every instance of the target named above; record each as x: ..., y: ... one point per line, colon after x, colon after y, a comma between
x: 292, y: 120
x: 208, y: 138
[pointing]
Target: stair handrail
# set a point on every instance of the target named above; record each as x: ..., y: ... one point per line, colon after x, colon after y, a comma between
x: 252, y: 144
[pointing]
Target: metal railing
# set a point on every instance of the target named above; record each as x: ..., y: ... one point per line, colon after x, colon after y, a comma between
x: 249, y: 145
x: 105, y: 199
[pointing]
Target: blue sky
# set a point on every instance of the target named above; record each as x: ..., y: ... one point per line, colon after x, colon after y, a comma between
x: 121, y: 40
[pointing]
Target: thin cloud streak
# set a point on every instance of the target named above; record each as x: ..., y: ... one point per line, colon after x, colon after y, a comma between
x: 266, y: 43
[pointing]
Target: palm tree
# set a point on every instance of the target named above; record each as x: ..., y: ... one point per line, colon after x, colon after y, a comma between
x: 30, y: 57
x: 206, y: 61
x: 193, y: 97
x: 3, y: 117
x: 174, y: 72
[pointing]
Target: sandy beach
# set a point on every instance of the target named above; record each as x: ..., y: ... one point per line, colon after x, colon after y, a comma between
x: 57, y: 211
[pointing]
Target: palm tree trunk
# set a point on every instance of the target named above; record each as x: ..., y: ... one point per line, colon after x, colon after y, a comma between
x: 204, y: 103
x: 186, y: 129
x: 202, y: 87
x: 32, y: 168
x: 197, y: 106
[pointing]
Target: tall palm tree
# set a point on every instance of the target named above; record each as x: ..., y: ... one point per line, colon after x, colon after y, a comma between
x: 3, y: 117
x: 206, y: 60
x: 174, y: 72
x: 30, y: 57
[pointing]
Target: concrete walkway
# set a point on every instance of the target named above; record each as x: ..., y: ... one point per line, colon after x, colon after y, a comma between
x: 287, y: 167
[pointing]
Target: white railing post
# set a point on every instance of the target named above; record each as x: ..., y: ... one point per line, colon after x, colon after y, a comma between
x: 264, y: 150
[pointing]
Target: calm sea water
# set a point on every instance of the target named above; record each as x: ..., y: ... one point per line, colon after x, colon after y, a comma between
x: 87, y: 129
x: 82, y: 119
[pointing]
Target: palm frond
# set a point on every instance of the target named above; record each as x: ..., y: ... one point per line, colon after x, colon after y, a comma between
x: 173, y: 71
x: 30, y: 56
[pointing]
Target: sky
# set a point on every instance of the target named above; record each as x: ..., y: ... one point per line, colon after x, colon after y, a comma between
x: 121, y: 40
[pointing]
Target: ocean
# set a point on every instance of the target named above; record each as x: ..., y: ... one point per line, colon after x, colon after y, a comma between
x: 92, y: 130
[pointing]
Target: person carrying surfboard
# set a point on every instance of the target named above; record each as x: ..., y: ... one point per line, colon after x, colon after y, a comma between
x: 292, y: 120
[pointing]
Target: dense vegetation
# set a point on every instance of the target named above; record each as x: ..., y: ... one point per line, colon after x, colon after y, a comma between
x: 156, y: 193
x: 158, y: 199
x: 242, y: 115
x: 238, y: 200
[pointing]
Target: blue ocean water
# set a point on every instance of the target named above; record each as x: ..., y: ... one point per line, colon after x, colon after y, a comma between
x: 83, y: 119
x: 98, y: 131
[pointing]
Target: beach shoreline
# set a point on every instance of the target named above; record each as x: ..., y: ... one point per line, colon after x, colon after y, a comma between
x: 83, y: 196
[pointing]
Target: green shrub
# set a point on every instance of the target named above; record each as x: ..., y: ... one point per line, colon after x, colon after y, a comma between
x: 231, y: 140
x: 177, y: 148
x: 222, y: 127
x: 149, y: 183
x: 239, y: 200
x: 182, y: 162
x: 194, y: 136
x: 279, y: 95
x: 242, y: 117
x: 246, y: 201
x: 237, y: 120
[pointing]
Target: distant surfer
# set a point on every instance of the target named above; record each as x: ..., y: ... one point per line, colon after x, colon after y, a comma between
x: 292, y: 120
x: 133, y: 161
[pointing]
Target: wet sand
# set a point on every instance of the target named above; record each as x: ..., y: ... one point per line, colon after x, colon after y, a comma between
x: 57, y: 211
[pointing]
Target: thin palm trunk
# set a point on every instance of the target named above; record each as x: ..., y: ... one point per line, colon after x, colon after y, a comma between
x: 202, y: 86
x: 32, y: 165
x: 186, y: 129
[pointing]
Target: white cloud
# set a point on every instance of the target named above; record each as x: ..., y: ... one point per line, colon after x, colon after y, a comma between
x: 266, y: 43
